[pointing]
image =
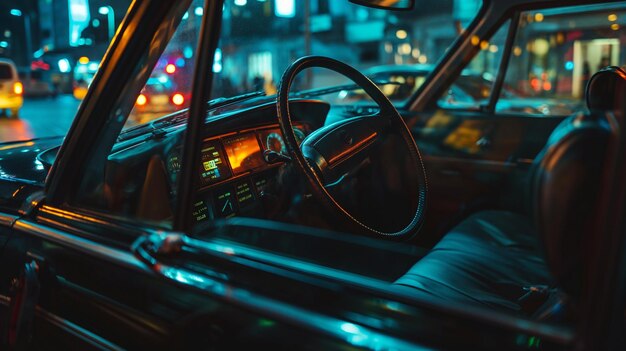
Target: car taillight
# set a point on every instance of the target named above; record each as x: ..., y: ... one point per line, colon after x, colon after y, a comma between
x: 141, y: 100
x: 18, y: 88
x: 178, y: 99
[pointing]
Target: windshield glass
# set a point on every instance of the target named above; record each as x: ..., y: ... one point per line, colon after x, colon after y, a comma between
x: 259, y: 39
x: 388, y: 46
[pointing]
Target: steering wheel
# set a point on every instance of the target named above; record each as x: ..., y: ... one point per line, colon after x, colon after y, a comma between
x: 377, y: 147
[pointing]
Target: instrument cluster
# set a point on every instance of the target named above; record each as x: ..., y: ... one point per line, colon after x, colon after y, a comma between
x: 235, y: 176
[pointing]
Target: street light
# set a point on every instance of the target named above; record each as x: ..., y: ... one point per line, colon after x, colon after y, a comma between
x: 108, y: 11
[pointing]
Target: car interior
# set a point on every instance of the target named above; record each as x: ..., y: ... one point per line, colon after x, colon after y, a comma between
x: 362, y: 194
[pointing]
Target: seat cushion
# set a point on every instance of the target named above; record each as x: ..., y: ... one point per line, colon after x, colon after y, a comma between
x: 486, y: 260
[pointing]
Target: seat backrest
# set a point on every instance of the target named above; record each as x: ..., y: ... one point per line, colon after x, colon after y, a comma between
x: 567, y: 177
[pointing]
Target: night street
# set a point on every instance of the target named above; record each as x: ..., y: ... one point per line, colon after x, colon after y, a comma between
x: 40, y: 118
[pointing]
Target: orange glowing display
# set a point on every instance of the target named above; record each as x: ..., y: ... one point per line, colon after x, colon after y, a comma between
x: 244, y: 152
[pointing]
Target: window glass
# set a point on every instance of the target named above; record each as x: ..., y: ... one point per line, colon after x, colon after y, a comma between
x: 388, y: 46
x: 473, y: 87
x: 556, y: 52
x: 50, y: 52
x: 169, y: 87
x: 139, y: 177
x: 5, y: 71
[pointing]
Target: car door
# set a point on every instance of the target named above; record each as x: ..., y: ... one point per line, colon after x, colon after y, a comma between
x: 70, y: 277
x: 527, y: 74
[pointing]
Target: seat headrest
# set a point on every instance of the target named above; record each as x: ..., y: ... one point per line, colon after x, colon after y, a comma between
x: 603, y: 87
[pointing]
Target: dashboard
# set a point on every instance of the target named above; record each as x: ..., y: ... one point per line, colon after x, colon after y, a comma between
x: 234, y: 176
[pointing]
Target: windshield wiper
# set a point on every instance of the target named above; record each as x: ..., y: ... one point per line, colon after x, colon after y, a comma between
x: 220, y: 102
x: 336, y: 89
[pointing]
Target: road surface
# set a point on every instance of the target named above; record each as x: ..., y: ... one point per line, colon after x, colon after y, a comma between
x: 40, y: 118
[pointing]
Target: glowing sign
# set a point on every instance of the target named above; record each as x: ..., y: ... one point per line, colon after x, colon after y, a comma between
x: 79, y: 19
x: 285, y: 8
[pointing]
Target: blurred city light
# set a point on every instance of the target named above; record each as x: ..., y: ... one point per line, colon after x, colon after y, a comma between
x: 199, y: 11
x: 15, y: 12
x: 83, y: 60
x: 79, y: 19
x: 217, y: 61
x: 103, y: 10
x: 241, y: 2
x: 187, y: 52
x: 64, y: 65
x: 178, y: 99
x: 4, y: 44
x: 285, y: 8
x: 170, y: 68
x: 186, y: 15
x: 405, y: 49
x: 541, y: 46
x: 612, y: 17
x: 401, y: 34
x: 18, y: 88
x: 141, y: 100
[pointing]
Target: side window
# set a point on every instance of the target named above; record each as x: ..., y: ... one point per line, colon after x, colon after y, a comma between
x: 556, y: 52
x: 473, y: 87
x: 139, y: 177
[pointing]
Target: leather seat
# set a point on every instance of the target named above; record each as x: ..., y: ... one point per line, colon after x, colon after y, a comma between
x: 486, y: 260
x: 490, y: 257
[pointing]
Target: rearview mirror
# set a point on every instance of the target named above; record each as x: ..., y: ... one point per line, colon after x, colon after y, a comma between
x: 386, y: 4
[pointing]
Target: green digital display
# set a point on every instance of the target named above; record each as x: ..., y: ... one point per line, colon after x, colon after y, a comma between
x: 244, y: 194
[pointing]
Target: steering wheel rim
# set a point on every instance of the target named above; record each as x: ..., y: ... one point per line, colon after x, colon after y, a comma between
x: 305, y: 166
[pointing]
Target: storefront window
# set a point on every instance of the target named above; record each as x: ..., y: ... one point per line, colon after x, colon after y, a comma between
x: 555, y: 54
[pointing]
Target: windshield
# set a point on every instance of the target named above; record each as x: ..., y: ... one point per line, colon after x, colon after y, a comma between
x: 259, y: 39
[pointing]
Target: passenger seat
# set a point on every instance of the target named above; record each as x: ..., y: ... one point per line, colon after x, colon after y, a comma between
x: 496, y: 258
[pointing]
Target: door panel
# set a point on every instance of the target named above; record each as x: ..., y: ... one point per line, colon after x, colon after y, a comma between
x: 476, y: 160
x: 85, y: 292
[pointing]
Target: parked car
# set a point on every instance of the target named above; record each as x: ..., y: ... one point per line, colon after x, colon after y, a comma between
x: 11, y: 88
x: 253, y: 222
x: 157, y: 98
x: 471, y: 90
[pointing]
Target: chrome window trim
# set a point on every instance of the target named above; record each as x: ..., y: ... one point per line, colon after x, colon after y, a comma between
x: 7, y: 219
x: 120, y: 257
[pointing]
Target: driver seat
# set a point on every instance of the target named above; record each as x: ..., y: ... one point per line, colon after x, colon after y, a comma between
x: 495, y: 258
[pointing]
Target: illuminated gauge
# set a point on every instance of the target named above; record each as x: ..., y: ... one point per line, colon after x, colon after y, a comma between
x: 173, y: 163
x: 275, y: 143
x: 299, y: 135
